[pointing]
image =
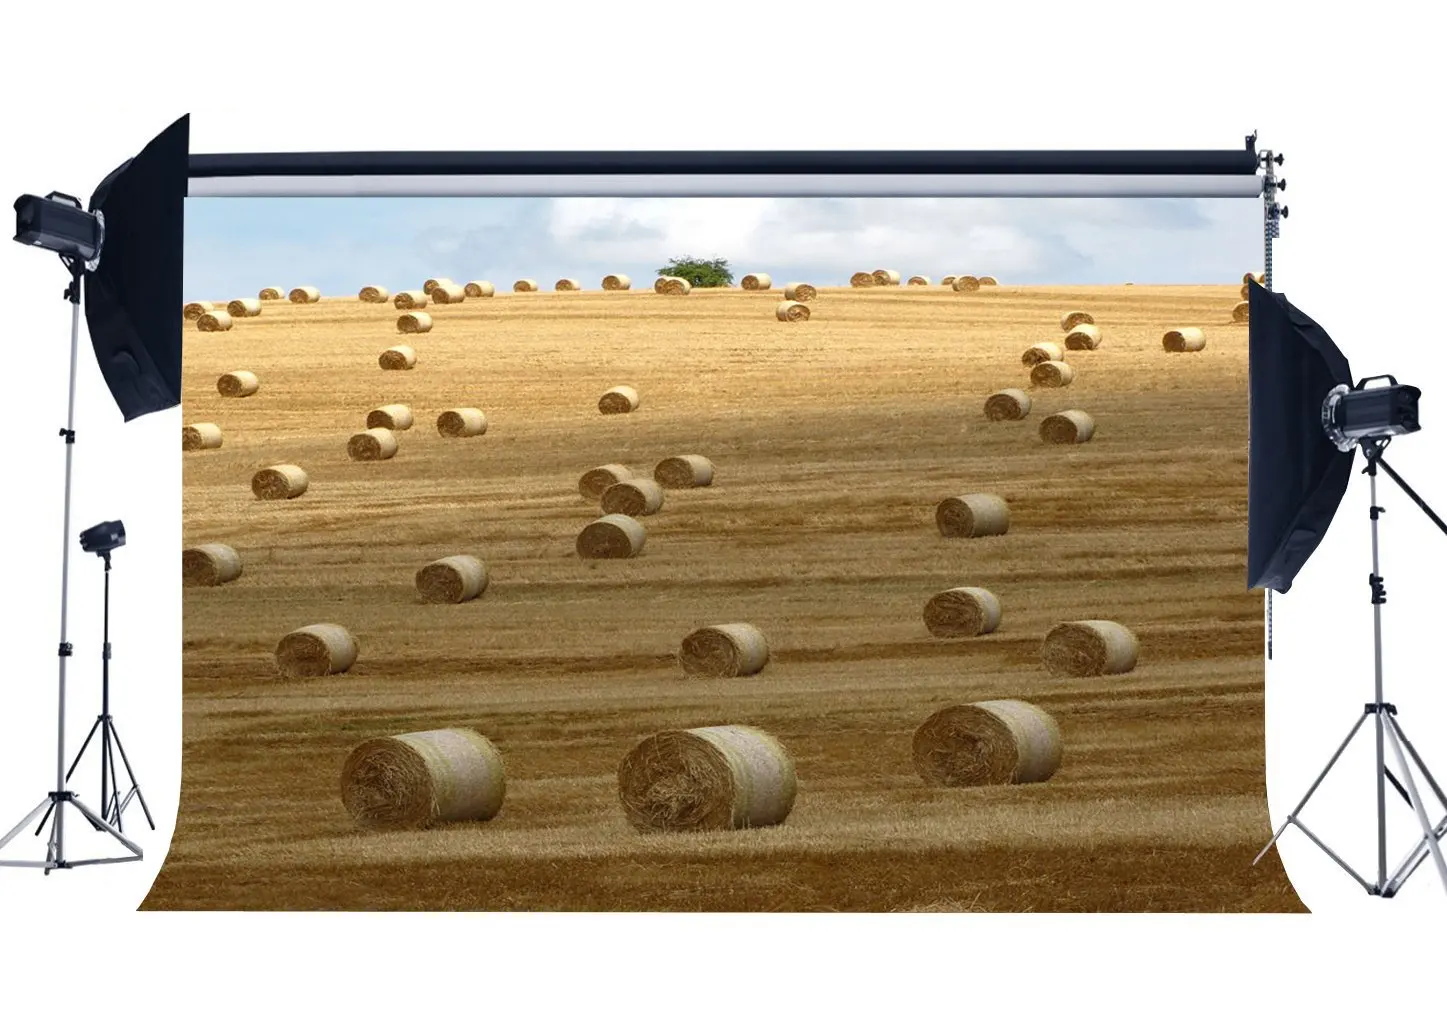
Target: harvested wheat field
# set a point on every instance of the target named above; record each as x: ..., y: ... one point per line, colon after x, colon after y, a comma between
x: 833, y: 444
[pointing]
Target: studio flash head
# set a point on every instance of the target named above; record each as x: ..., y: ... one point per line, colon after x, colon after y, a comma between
x: 103, y: 537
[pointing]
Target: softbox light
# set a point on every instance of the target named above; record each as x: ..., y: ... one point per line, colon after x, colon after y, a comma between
x: 1297, y: 475
x: 132, y: 299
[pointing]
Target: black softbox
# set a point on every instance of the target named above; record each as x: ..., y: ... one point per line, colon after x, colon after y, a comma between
x: 133, y: 299
x: 1297, y: 474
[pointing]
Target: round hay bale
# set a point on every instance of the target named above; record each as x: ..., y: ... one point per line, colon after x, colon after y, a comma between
x: 599, y: 479
x: 1084, y: 337
x: 639, y: 496
x: 862, y: 279
x: 611, y: 537
x: 1240, y: 314
x: 410, y: 299
x: 1067, y: 428
x: 275, y: 483
x: 1052, y: 374
x: 412, y: 781
x: 200, y: 436
x: 756, y: 282
x: 272, y: 294
x: 236, y: 384
x: 239, y: 308
x: 672, y: 286
x: 479, y: 289
x: 1090, y: 649
x: 708, y: 779
x: 396, y: 416
x: 973, y: 515
x: 526, y: 284
x: 304, y: 295
x: 988, y: 743
x: 210, y: 565
x: 568, y: 284
x: 315, y: 651
x: 800, y: 292
x: 447, y: 293
x: 684, y: 471
x: 414, y: 322
x: 1249, y: 277
x: 948, y: 280
x: 1184, y: 339
x: 1070, y: 320
x: 215, y: 321
x: 461, y: 422
x: 918, y: 281
x: 617, y: 282
x: 724, y: 650
x: 373, y: 295
x: 965, y: 282
x: 886, y: 278
x: 1007, y: 405
x: 1245, y: 292
x: 792, y: 312
x: 962, y: 612
x: 397, y: 359
x: 1036, y: 353
x: 372, y: 444
x: 193, y: 311
x: 619, y: 400
x: 454, y: 579
x: 431, y: 284
x: 988, y: 282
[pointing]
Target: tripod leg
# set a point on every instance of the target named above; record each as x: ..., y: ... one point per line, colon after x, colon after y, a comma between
x: 81, y: 753
x: 132, y: 776
x: 1291, y: 817
x: 1429, y: 834
x: 91, y: 816
x: 1420, y: 852
x: 115, y: 784
x: 1426, y: 773
x: 44, y: 805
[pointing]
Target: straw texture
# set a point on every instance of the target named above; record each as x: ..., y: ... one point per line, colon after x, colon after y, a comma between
x: 724, y: 650
x: 1183, y: 340
x: 1067, y: 427
x: 708, y: 779
x: 756, y: 282
x: 886, y: 278
x: 568, y: 284
x: 617, y: 282
x: 200, y: 436
x: 962, y: 612
x: 210, y: 565
x: 397, y: 359
x: 1070, y: 320
x: 237, y: 384
x: 372, y: 444
x: 862, y: 279
x: 410, y: 299
x: 639, y: 496
x: 1052, y: 374
x: 240, y: 308
x: 315, y: 651
x: 414, y: 322
x: 988, y: 743
x: 525, y: 284
x: 800, y: 292
x: 918, y: 280
x: 792, y: 312
x: 599, y: 479
x: 448, y: 293
x: 1007, y: 405
x: 479, y: 289
x: 193, y: 311
x: 619, y: 400
x: 275, y: 483
x: 396, y: 416
x: 373, y: 295
x: 215, y: 321
x: 1090, y: 649
x: 964, y: 282
x: 415, y: 780
x: 973, y: 515
x: 431, y: 284
x: 611, y: 537
x: 1084, y: 337
x: 454, y: 579
x: 1240, y: 314
x: 684, y: 471
x: 304, y: 295
x: 1036, y: 353
x: 272, y: 294
x: 988, y: 282
x: 461, y: 422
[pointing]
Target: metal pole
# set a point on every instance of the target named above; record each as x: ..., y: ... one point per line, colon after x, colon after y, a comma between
x: 107, y: 772
x: 69, y: 435
x: 1269, y: 228
x: 1377, y: 597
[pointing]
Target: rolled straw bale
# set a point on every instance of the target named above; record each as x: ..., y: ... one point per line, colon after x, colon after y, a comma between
x: 962, y: 612
x: 210, y: 565
x: 1067, y: 428
x: 640, y: 496
x: 611, y: 537
x: 374, y: 295
x: 1245, y: 292
x: 1084, y: 337
x: 200, y: 436
x: 618, y: 400
x: 412, y: 781
x: 599, y: 479
x: 568, y: 284
x: 1007, y: 405
x: 414, y: 322
x: 672, y: 286
x: 684, y: 471
x: 800, y: 292
x: 1052, y: 374
x: 454, y: 579
x: 272, y: 294
x: 948, y: 280
x: 988, y: 282
x: 919, y: 280
x: 214, y: 321
x: 1186, y: 338
x: 617, y: 282
x: 661, y: 283
x: 1090, y: 649
x: 431, y: 283
x: 792, y: 312
x: 448, y: 293
x: 195, y: 310
x: 1036, y: 353
x: 1248, y: 277
x: 410, y: 299
x: 526, y: 284
x: 1070, y: 320
x: 275, y: 483
x: 862, y: 279
x: 1240, y: 314
x: 724, y: 650
x: 973, y: 515
x: 238, y: 384
x: 397, y: 359
x: 707, y: 779
x: 965, y: 282
x: 886, y: 278
x: 756, y: 282
x: 239, y: 308
x: 479, y: 289
x: 316, y: 650
x: 304, y: 295
x: 372, y: 444
x: 988, y: 743
x: 396, y: 416
x: 461, y: 422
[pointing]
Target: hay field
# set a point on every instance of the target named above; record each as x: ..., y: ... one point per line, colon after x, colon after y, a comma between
x: 833, y: 441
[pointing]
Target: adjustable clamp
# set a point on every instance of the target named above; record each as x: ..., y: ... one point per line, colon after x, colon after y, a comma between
x: 1375, y: 708
x: 68, y: 434
x: 1375, y: 511
x: 66, y: 649
x: 1379, y: 589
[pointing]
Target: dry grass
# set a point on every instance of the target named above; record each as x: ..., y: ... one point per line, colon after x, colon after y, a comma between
x: 835, y: 443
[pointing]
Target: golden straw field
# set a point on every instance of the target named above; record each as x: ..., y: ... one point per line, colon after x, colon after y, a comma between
x: 833, y: 440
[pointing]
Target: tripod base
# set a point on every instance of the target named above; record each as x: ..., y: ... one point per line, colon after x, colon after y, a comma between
x: 112, y: 803
x: 54, y: 856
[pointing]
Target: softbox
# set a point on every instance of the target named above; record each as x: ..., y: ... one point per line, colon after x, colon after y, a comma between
x: 1297, y: 476
x: 133, y: 299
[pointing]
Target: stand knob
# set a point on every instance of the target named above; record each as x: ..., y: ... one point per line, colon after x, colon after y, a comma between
x: 1280, y: 159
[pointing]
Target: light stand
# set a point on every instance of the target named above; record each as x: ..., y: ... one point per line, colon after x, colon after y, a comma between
x: 56, y: 802
x: 1388, y: 731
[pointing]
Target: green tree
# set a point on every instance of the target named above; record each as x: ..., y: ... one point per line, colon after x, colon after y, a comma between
x: 699, y: 272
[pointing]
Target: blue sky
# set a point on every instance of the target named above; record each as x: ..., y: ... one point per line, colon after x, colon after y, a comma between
x: 238, y: 245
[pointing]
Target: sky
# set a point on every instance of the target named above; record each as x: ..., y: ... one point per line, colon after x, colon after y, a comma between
x: 238, y: 245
